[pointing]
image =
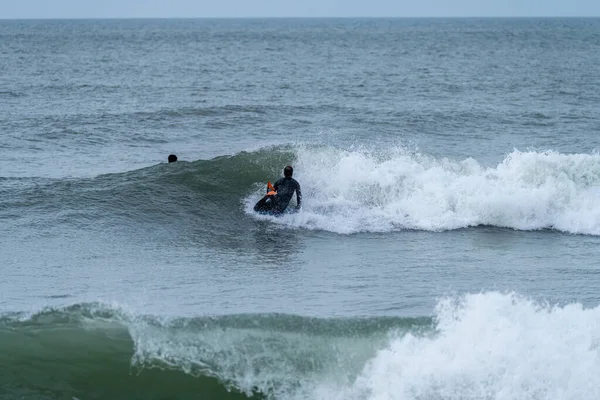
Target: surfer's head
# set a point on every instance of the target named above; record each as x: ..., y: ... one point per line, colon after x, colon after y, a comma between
x: 288, y: 171
x: 172, y: 158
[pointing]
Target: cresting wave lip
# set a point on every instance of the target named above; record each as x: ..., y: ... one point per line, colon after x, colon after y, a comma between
x: 97, y: 351
x: 478, y: 346
x: 384, y: 191
x: 489, y: 346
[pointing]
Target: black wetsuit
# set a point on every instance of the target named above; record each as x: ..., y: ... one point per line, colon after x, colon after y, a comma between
x: 285, y: 188
x: 277, y: 204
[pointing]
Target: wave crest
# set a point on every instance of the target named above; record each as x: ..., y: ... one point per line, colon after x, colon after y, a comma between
x: 364, y: 191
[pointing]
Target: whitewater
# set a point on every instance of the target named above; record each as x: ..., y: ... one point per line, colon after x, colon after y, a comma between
x: 361, y: 191
x: 486, y: 346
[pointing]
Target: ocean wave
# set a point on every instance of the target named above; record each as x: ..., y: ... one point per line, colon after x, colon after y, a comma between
x: 163, y: 194
x: 351, y: 191
x: 99, y: 351
x: 346, y: 191
x: 478, y: 346
x: 488, y: 346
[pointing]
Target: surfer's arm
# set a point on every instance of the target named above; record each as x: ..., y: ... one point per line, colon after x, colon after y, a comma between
x: 298, y: 197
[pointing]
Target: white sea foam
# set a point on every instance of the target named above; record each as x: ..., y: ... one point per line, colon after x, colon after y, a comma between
x: 488, y: 346
x: 357, y: 191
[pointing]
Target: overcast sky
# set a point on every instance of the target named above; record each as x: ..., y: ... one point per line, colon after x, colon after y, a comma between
x: 293, y: 8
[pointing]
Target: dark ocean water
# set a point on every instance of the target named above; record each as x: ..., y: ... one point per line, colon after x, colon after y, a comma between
x: 447, y: 247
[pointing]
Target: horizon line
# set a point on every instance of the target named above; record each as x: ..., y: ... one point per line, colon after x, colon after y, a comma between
x: 303, y: 17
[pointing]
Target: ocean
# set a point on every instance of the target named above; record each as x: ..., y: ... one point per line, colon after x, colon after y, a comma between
x: 448, y: 242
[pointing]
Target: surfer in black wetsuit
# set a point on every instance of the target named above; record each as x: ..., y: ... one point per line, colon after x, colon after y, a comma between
x: 285, y: 188
x: 276, y: 202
